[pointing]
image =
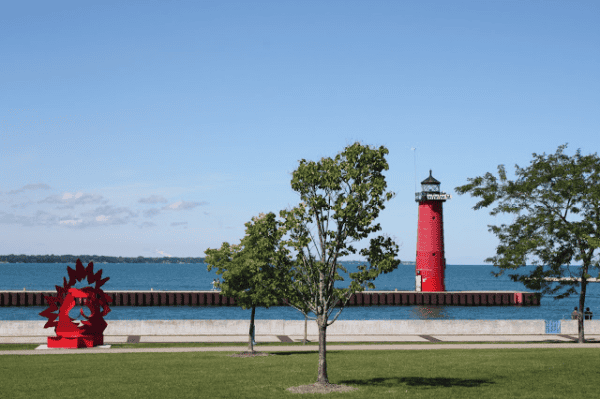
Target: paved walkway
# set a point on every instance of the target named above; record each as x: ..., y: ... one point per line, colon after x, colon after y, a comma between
x: 266, y: 339
x: 427, y: 342
x: 311, y: 348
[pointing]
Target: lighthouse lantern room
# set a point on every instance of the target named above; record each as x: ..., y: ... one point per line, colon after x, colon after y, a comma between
x: 431, y: 261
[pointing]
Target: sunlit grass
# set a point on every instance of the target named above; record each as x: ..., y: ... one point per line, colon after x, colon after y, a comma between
x: 452, y: 373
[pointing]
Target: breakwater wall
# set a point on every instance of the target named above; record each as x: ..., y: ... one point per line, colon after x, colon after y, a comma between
x: 367, y: 298
x: 29, y: 328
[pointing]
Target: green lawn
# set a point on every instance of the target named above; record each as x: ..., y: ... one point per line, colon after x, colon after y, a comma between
x: 510, y: 373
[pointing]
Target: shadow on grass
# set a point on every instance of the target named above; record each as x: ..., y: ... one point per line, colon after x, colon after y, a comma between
x: 287, y: 353
x: 420, y: 382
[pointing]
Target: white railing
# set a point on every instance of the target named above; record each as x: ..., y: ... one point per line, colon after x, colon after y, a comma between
x: 430, y: 196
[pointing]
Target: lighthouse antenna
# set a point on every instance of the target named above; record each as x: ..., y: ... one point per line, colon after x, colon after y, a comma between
x: 414, y: 150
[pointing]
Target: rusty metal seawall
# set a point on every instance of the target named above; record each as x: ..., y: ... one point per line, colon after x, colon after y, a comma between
x: 213, y: 298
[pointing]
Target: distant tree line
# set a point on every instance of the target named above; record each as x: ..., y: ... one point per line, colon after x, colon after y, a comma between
x: 92, y: 258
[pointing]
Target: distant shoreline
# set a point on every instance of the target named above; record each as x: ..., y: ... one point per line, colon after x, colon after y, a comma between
x: 117, y: 259
x: 85, y: 259
x: 94, y: 258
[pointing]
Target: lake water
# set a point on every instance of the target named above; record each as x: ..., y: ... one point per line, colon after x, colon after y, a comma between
x: 193, y: 277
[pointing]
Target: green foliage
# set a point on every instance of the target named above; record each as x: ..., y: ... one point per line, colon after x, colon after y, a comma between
x: 341, y: 198
x: 556, y: 206
x: 252, y: 271
x: 592, y: 242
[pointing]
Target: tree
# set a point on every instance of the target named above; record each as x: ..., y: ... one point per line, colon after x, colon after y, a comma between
x: 341, y: 198
x: 556, y: 203
x: 248, y: 269
x: 593, y: 242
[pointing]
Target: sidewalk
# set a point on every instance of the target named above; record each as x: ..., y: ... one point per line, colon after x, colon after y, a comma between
x: 371, y: 342
x: 265, y: 339
x: 303, y: 348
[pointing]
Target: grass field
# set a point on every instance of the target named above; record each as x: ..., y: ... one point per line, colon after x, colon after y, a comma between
x: 500, y: 373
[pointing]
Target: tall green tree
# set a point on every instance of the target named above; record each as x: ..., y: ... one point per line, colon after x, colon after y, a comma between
x: 253, y: 271
x: 556, y: 206
x: 341, y: 199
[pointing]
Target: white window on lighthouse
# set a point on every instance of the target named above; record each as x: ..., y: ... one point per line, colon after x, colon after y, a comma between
x: 430, y: 185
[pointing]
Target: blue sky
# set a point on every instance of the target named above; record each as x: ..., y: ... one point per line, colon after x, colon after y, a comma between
x: 160, y: 128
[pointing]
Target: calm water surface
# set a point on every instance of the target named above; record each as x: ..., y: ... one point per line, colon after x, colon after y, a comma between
x: 40, y: 276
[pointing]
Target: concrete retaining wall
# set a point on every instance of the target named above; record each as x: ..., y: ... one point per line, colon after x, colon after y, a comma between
x: 570, y: 327
x: 296, y: 327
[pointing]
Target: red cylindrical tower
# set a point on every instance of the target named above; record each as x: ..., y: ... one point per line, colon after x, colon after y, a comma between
x: 431, y: 261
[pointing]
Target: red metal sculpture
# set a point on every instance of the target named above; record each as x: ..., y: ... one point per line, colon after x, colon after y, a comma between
x: 86, y: 333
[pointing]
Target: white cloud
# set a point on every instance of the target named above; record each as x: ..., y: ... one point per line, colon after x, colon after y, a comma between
x: 41, y: 218
x: 151, y: 212
x: 153, y: 199
x: 99, y: 214
x: 39, y: 186
x: 70, y: 222
x: 181, y: 205
x: 146, y: 224
x: 67, y: 196
x: 164, y: 254
x: 21, y: 205
x: 69, y: 200
x: 113, y: 215
x: 175, y: 205
x: 109, y: 210
x: 8, y: 218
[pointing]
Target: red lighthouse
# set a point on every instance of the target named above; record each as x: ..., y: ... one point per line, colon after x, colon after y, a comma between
x: 431, y: 262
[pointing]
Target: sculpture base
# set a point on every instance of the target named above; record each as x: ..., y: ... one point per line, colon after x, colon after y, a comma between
x: 85, y: 341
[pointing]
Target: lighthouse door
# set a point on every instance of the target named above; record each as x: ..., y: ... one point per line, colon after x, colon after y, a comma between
x: 418, y: 283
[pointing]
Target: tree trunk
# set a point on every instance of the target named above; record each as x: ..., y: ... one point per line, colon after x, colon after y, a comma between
x: 580, y: 316
x: 322, y: 378
x: 251, y: 331
x: 305, y: 329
